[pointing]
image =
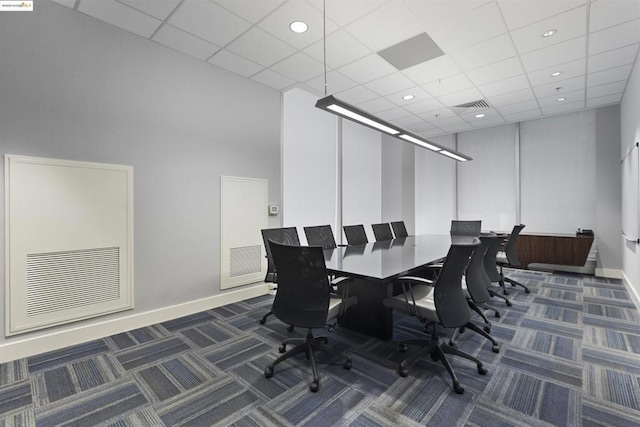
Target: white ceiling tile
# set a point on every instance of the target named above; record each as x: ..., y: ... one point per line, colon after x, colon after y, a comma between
x: 457, y: 127
x: 234, y: 63
x: 608, y: 89
x: 69, y: 3
x: 157, y: 8
x: 563, y: 108
x: 272, y: 79
x: 511, y: 98
x: 612, y: 59
x: 524, y: 115
x: 484, y: 53
x: 299, y: 66
x: 434, y: 12
x: 251, y: 10
x: 389, y: 84
x: 448, y: 85
x: 446, y: 122
x: 341, y: 48
x: 461, y: 97
x: 554, y: 55
x: 397, y: 113
x: 510, y: 84
x: 408, y: 121
x: 430, y: 71
x: 261, y: 47
x: 336, y: 82
x: 605, y: 14
x: 121, y: 16
x: 421, y: 127
x: 569, y: 98
x: 614, y: 37
x: 497, y: 71
x: 277, y: 24
x: 569, y: 69
x: 425, y: 106
x: 184, y: 42
x: 609, y: 76
x: 567, y: 85
x: 386, y: 26
x: 518, y: 13
x: 344, y: 12
x: 368, y: 68
x: 356, y: 95
x: 376, y: 105
x: 486, y: 121
x: 478, y: 24
x: 570, y: 25
x: 519, y: 107
x: 604, y: 100
x: 208, y: 21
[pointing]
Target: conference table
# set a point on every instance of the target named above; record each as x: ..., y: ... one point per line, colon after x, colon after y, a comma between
x: 374, y: 268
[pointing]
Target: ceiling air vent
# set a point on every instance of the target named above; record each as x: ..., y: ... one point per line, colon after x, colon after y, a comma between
x: 481, y: 104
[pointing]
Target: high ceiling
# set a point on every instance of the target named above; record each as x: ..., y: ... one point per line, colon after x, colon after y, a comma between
x: 491, y: 50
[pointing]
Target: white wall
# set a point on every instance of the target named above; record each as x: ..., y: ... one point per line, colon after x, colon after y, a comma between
x: 398, y: 182
x: 309, y: 163
x: 630, y: 134
x: 76, y: 88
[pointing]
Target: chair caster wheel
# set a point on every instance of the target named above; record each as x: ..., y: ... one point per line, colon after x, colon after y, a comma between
x: 458, y: 388
x: 495, y: 349
x: 282, y: 348
x: 487, y: 329
x: 527, y: 291
x: 509, y: 304
x: 497, y: 314
x: 434, y: 356
x: 505, y: 292
x: 452, y: 344
x: 290, y: 328
x: 325, y: 340
x: 268, y: 372
x: 314, y: 386
x: 482, y: 370
x: 403, y: 348
x: 262, y: 321
x: 403, y: 371
x: 347, y: 364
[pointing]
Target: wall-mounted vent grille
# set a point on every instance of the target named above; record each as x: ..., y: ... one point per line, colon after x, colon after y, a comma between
x: 480, y: 104
x: 245, y: 260
x: 60, y: 281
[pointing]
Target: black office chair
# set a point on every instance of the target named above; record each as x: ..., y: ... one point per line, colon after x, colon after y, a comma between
x: 355, y: 234
x: 443, y: 303
x: 490, y: 267
x: 382, y: 231
x: 320, y: 235
x: 509, y: 258
x: 287, y: 235
x: 399, y: 229
x: 466, y: 228
x: 304, y: 300
x: 474, y: 286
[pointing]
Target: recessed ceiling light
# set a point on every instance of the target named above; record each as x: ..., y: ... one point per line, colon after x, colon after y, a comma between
x: 556, y: 74
x: 480, y: 115
x: 408, y: 97
x: 549, y: 33
x: 298, y: 27
x: 561, y: 99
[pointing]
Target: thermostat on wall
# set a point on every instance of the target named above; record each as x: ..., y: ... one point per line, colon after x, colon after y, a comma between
x: 273, y: 209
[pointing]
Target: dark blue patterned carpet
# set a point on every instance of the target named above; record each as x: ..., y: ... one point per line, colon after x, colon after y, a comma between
x: 570, y: 356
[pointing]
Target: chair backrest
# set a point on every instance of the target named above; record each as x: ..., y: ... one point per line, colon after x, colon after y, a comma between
x: 399, y: 229
x: 303, y: 285
x: 476, y: 276
x: 466, y: 228
x: 320, y: 235
x: 451, y: 303
x: 382, y: 231
x: 287, y: 235
x: 490, y: 266
x: 355, y: 234
x: 510, y: 247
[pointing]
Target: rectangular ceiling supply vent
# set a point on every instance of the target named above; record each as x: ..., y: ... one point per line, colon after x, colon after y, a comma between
x: 477, y: 105
x: 413, y: 51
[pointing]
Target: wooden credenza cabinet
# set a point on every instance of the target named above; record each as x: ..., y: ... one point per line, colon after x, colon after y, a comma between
x: 560, y: 249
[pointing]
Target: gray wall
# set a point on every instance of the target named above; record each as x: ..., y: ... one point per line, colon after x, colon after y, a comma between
x: 74, y: 88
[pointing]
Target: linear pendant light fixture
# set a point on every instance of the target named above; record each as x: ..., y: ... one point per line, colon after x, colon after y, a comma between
x: 342, y: 109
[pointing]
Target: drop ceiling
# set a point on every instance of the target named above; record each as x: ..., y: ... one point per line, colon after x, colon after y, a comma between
x: 494, y: 51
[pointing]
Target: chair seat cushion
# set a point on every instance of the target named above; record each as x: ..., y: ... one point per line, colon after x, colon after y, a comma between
x: 501, y: 258
x: 425, y: 304
x: 336, y: 306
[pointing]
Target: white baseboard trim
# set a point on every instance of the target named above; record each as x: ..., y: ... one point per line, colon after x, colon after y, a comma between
x: 609, y: 273
x: 27, y: 347
x: 632, y: 290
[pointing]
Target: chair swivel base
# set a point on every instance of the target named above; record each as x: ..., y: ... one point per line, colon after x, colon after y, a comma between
x: 496, y: 294
x: 515, y: 283
x: 264, y: 320
x: 309, y: 345
x: 484, y: 332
